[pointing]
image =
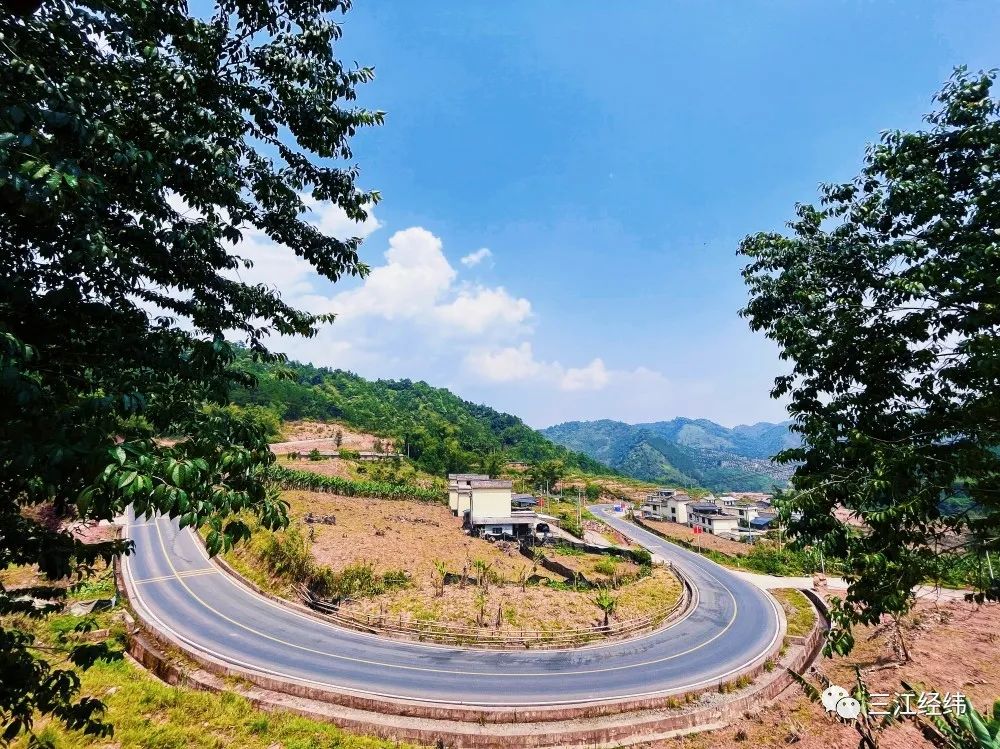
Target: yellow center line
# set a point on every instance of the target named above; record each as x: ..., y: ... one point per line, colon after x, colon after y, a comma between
x: 325, y: 684
x: 383, y: 664
x: 176, y: 575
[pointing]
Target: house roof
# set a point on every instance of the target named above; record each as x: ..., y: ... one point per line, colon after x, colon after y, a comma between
x: 466, y: 476
x: 509, y: 520
x: 524, y: 499
x: 712, y: 517
x: 762, y: 521
x: 492, y: 483
x: 706, y: 508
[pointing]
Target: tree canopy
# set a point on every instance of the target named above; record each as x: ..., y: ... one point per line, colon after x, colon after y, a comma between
x: 886, y: 300
x: 441, y: 432
x: 138, y: 142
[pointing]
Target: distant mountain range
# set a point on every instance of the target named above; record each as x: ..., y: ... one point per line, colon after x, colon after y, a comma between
x: 685, y: 452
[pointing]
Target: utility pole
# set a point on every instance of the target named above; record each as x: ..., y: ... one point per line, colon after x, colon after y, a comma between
x: 989, y: 564
x: 579, y: 507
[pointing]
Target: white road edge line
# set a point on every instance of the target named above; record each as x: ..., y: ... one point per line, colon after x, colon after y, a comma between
x: 330, y: 685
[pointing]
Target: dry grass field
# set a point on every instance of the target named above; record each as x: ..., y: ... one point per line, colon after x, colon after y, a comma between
x: 418, y: 537
x: 953, y: 646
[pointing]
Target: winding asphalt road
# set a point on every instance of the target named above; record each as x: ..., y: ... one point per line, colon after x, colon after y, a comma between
x: 172, y: 583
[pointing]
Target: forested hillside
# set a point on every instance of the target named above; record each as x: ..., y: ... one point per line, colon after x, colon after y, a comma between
x: 684, y: 452
x: 437, y: 429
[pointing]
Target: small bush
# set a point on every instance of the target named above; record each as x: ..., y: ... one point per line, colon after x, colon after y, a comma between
x: 571, y: 527
x: 567, y: 550
x: 359, y: 579
x: 644, y: 557
x: 607, y: 566
x: 287, y: 555
x: 395, y: 578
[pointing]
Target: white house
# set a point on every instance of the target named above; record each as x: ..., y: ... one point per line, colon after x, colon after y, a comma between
x: 490, y: 498
x: 666, y: 504
x: 712, y: 519
x: 460, y: 491
x: 491, y: 513
x: 746, y: 513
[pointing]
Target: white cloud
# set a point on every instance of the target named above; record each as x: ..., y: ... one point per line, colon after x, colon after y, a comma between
x: 594, y: 376
x: 475, y: 310
x: 513, y: 363
x: 332, y: 220
x: 416, y: 283
x: 415, y: 276
x: 504, y: 365
x: 475, y: 258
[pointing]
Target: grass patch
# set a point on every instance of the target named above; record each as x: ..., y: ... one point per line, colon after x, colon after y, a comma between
x: 799, y: 612
x: 149, y: 714
x: 152, y: 715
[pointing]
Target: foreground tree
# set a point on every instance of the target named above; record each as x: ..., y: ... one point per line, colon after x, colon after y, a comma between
x: 886, y: 299
x: 137, y: 143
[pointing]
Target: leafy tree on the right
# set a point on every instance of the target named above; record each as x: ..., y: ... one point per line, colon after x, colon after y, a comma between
x: 885, y: 298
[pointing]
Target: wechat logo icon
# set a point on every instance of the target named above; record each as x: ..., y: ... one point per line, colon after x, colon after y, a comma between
x: 838, y: 700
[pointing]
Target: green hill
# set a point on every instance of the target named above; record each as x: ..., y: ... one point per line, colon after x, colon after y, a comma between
x: 440, y: 431
x: 684, y: 452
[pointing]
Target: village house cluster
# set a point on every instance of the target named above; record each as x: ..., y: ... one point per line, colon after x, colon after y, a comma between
x: 742, y: 516
x: 490, y: 508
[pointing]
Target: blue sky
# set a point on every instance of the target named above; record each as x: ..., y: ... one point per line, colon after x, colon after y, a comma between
x: 610, y: 157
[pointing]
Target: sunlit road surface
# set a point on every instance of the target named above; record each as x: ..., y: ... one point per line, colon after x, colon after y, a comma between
x: 172, y: 583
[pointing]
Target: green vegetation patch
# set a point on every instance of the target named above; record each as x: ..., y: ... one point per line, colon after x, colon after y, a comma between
x: 149, y: 714
x: 289, y: 478
x: 799, y: 612
x: 441, y: 432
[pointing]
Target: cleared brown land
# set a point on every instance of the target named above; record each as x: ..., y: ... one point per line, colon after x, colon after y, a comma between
x: 707, y: 540
x: 954, y: 649
x: 303, y: 436
x: 396, y: 535
x: 412, y: 536
x: 334, y: 467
